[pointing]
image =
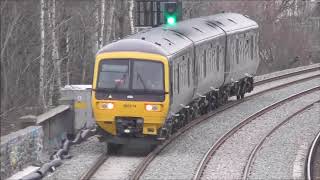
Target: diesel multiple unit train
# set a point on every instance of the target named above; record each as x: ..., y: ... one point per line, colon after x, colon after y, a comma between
x: 150, y: 84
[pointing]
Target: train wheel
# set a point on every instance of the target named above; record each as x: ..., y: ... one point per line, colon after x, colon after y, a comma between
x: 194, y: 112
x: 111, y: 148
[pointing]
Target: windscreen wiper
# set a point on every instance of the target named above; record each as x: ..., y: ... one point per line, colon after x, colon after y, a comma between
x: 141, y: 80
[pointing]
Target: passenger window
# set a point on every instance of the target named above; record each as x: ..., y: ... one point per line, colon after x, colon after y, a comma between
x: 188, y: 72
x: 205, y: 64
x: 218, y: 57
x: 178, y: 78
x: 251, y: 47
x: 237, y: 51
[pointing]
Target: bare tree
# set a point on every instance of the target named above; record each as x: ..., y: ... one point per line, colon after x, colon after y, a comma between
x: 131, y: 18
x: 42, y: 99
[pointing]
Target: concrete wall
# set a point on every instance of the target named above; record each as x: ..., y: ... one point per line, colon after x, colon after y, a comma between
x: 80, y: 95
x: 56, y: 124
x: 20, y: 148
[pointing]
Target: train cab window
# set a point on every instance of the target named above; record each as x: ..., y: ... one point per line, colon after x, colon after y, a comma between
x: 237, y: 51
x: 131, y: 75
x: 147, y: 75
x: 114, y: 74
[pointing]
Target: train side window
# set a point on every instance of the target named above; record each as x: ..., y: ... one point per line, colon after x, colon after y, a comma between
x: 213, y: 58
x: 251, y: 47
x: 218, y: 57
x: 178, y: 79
x: 237, y: 51
x: 205, y: 64
x: 171, y: 83
x: 188, y: 72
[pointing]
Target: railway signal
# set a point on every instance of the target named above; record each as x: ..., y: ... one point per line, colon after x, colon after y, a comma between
x: 172, y: 13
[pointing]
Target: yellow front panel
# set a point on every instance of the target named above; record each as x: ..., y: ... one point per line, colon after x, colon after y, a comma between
x: 153, y: 120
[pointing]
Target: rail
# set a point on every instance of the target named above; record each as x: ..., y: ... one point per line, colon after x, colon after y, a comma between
x: 227, y: 135
x: 142, y: 166
x: 311, y: 154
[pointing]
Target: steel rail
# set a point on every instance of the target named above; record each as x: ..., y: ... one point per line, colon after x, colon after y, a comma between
x: 310, y: 159
x: 227, y: 135
x: 148, y: 159
x: 263, y: 81
x: 93, y: 169
x: 259, y: 145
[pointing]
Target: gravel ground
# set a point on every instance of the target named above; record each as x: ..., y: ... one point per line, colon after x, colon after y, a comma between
x: 83, y: 157
x: 180, y: 159
x: 283, y: 155
x: 283, y: 72
x: 231, y: 158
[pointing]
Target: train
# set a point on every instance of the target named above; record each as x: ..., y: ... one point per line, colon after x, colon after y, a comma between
x: 148, y: 85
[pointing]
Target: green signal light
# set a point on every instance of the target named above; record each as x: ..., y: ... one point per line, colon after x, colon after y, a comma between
x: 171, y: 20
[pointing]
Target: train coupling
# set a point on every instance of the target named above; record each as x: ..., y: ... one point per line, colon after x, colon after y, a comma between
x: 163, y: 134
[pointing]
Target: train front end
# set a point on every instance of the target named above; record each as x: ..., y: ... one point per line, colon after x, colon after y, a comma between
x: 130, y: 96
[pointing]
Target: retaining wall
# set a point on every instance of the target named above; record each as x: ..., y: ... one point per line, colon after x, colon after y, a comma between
x: 19, y: 149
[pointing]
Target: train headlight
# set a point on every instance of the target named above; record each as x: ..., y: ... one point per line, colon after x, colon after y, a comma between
x: 153, y: 107
x: 106, y: 105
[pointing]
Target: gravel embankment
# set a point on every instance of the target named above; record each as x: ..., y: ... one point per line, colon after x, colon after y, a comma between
x: 83, y: 157
x: 180, y: 159
x: 231, y: 158
x: 283, y: 155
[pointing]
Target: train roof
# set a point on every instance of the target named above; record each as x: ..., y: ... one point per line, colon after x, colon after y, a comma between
x: 137, y: 45
x: 167, y: 40
x: 232, y: 22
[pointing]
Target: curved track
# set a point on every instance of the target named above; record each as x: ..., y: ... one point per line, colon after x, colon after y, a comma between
x: 143, y: 165
x: 148, y: 159
x: 259, y: 145
x: 310, y: 164
x: 230, y: 133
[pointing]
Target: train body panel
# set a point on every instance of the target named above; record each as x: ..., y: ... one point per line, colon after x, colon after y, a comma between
x: 242, y: 36
x: 209, y: 65
x: 201, y: 55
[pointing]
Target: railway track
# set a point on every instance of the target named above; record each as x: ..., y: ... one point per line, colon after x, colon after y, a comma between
x: 259, y: 145
x: 283, y: 76
x: 143, y: 165
x: 93, y: 169
x: 246, y: 121
x: 313, y: 156
x: 148, y: 159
